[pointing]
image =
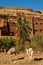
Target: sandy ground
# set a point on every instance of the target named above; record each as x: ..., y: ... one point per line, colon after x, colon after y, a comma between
x: 12, y: 60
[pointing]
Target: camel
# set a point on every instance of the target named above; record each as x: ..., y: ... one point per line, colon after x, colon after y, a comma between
x: 30, y: 53
x: 11, y: 51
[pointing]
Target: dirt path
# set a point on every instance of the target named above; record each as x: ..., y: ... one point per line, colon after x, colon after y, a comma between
x: 12, y: 60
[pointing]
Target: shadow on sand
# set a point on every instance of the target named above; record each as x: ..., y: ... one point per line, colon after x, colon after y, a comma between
x: 38, y: 59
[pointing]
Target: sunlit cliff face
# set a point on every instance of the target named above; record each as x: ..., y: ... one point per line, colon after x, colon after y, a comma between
x: 9, y: 16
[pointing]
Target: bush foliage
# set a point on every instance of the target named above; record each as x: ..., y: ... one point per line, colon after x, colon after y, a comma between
x: 7, y: 43
x: 37, y: 42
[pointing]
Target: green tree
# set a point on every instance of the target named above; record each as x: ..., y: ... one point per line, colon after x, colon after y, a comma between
x: 23, y: 32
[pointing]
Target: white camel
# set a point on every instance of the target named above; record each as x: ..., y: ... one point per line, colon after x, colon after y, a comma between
x: 29, y: 53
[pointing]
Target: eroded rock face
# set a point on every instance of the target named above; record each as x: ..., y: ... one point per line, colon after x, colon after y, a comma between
x: 11, y: 15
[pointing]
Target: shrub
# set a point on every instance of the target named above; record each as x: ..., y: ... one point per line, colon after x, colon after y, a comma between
x: 7, y: 43
x: 37, y: 42
x: 21, y: 46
